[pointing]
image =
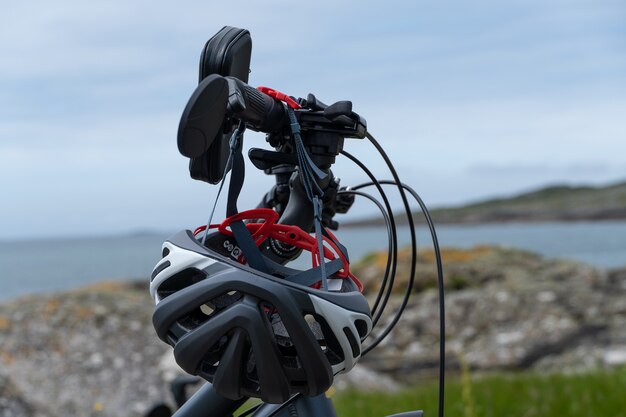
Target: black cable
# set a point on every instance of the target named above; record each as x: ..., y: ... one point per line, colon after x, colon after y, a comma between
x: 440, y: 286
x: 388, y: 291
x: 398, y: 183
x: 386, y: 288
x: 387, y: 225
x: 390, y: 268
x: 409, y: 288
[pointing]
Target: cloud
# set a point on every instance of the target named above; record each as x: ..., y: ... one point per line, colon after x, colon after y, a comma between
x: 583, y: 168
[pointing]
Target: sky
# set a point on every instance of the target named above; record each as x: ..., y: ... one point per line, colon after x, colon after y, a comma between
x: 471, y: 99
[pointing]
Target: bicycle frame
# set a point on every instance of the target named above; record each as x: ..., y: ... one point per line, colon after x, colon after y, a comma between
x: 206, y: 402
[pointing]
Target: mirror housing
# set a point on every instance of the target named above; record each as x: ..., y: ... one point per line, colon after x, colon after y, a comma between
x: 203, y: 116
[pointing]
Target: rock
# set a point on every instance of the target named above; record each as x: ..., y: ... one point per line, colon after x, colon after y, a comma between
x: 617, y: 278
x: 615, y: 356
x: 463, y: 268
x: 364, y: 379
x: 87, y: 352
x: 12, y: 402
x: 530, y: 313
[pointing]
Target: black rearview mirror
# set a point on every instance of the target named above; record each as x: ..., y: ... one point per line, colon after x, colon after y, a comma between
x: 203, y: 116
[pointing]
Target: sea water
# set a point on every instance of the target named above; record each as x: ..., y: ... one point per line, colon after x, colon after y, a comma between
x: 40, y: 266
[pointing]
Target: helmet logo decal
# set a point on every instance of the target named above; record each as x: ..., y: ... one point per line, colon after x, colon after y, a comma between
x: 233, y: 250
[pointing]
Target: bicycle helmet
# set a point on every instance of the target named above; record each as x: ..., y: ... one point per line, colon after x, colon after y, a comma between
x: 250, y: 333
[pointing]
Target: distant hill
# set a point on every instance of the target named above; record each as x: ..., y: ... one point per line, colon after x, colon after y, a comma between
x: 555, y: 203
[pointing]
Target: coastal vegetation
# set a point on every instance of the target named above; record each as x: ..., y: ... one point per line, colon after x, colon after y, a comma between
x: 555, y: 203
x: 592, y: 393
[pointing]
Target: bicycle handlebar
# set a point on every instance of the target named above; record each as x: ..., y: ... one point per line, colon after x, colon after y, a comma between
x: 256, y: 108
x: 217, y: 98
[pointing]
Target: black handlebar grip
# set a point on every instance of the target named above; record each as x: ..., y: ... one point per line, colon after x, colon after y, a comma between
x: 260, y: 111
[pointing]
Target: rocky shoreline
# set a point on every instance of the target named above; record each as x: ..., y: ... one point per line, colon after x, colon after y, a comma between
x: 93, y: 352
x: 506, y: 309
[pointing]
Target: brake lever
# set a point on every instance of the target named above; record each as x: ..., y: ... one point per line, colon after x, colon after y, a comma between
x: 340, y: 113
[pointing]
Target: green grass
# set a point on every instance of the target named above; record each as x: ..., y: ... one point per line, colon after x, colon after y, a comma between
x: 597, y: 394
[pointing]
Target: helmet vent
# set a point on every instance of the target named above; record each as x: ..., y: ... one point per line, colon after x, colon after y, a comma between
x: 207, y: 309
x: 159, y: 269
x: 361, y: 327
x: 310, y: 319
x: 212, y: 359
x: 179, y: 280
x: 326, y: 338
x: 278, y: 327
x: 284, y: 343
x: 354, y: 345
x: 171, y: 337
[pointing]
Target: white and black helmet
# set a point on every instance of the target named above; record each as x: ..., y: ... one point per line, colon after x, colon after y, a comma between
x: 253, y: 334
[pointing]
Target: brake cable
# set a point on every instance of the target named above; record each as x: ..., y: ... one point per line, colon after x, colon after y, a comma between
x: 390, y: 269
x: 390, y: 246
x: 401, y: 187
x: 308, y: 170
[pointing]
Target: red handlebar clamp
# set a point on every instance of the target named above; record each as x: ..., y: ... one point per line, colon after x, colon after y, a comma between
x: 280, y: 96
